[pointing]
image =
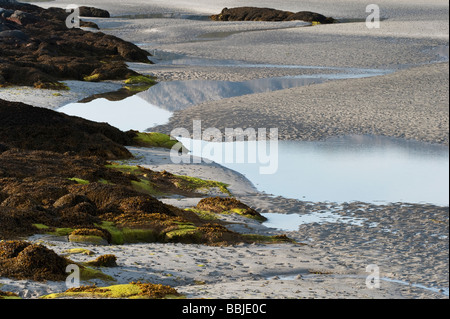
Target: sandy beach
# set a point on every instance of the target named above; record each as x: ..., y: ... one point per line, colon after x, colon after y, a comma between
x: 407, y: 242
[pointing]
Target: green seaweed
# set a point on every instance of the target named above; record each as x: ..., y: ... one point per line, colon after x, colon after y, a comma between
x: 87, y: 239
x: 54, y: 231
x: 205, y: 215
x: 92, y: 78
x: 141, y: 79
x: 124, y: 168
x: 129, y: 235
x: 185, y: 232
x: 146, y: 187
x: 79, y: 180
x: 198, y: 184
x: 122, y: 291
x: 82, y: 251
x: 88, y: 273
x: 155, y: 139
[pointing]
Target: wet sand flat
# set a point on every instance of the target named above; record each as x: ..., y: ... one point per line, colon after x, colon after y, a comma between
x: 410, y: 104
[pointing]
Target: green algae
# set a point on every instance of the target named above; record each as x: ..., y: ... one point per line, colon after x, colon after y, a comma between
x: 120, y: 236
x: 79, y: 180
x: 185, y: 232
x: 88, y: 273
x: 141, y: 79
x: 200, y: 184
x: 147, y: 187
x: 54, y: 231
x: 130, y: 169
x: 122, y: 291
x: 155, y: 139
x: 92, y: 78
x: 88, y: 239
x: 82, y: 251
x: 204, y: 215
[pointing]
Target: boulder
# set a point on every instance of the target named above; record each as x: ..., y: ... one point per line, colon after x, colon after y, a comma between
x: 37, y: 49
x: 93, y: 12
x: 14, y: 34
x: 268, y: 14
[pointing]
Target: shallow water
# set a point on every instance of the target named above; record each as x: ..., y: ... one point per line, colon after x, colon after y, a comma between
x: 130, y: 113
x: 370, y: 169
x: 292, y: 222
x: 444, y: 291
x: 357, y: 168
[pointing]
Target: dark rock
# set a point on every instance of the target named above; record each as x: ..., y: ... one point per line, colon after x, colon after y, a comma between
x: 31, y: 261
x: 93, y: 12
x: 251, y: 14
x: 70, y: 200
x: 15, y: 34
x: 89, y: 24
x: 268, y: 14
x: 3, y: 148
x: 34, y: 128
x: 308, y: 16
x: 22, y: 18
x: 42, y: 50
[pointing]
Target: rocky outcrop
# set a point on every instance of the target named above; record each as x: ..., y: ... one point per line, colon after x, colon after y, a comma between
x: 93, y: 12
x: 32, y: 128
x: 267, y: 14
x: 38, y: 49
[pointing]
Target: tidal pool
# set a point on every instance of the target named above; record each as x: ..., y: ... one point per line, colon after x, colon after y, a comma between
x: 371, y: 169
x: 354, y: 168
x: 132, y: 113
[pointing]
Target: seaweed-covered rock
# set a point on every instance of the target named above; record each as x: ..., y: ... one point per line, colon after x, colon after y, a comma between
x: 70, y: 200
x: 38, y: 49
x: 221, y: 205
x: 108, y: 260
x: 91, y: 235
x: 23, y: 260
x: 268, y: 14
x: 93, y: 12
x: 27, y: 127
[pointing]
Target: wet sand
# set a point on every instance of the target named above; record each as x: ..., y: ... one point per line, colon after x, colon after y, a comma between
x: 410, y: 104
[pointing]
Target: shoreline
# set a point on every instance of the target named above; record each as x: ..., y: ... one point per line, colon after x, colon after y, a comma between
x: 408, y: 242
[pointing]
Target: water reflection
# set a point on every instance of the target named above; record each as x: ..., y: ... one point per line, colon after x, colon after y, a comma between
x: 132, y: 113
x: 356, y: 168
x: 179, y: 95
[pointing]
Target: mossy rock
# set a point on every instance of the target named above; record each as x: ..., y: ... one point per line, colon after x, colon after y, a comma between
x: 147, y: 187
x: 83, y: 251
x: 25, y: 260
x: 139, y: 83
x: 88, y: 273
x: 204, y: 215
x: 221, y: 205
x: 89, y: 240
x: 200, y: 184
x: 155, y: 139
x: 141, y: 79
x: 108, y: 260
x: 184, y: 233
x: 126, y: 235
x: 125, y: 291
x: 8, y: 295
x: 79, y: 180
x: 92, y: 78
x: 94, y: 232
